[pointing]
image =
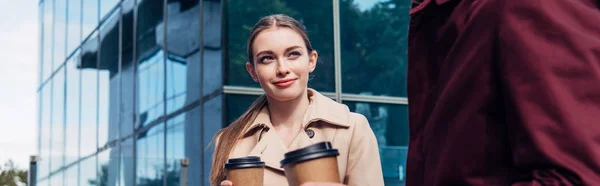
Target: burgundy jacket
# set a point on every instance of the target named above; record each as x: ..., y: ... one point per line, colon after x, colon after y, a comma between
x: 504, y: 92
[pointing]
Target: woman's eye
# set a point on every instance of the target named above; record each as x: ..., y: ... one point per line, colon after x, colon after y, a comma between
x: 265, y: 59
x: 294, y: 54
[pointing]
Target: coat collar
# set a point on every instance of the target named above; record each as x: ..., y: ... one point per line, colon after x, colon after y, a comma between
x: 321, y: 108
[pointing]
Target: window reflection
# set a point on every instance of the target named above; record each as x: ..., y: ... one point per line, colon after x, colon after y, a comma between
x: 74, y: 25
x: 60, y: 32
x: 87, y: 174
x: 73, y: 76
x: 106, y: 6
x: 58, y: 120
x: 47, y: 39
x: 90, y: 17
x: 212, y: 58
x: 151, y: 63
x: 89, y: 95
x: 126, y: 170
x: 176, y: 142
x: 151, y: 86
x: 390, y: 125
x: 317, y: 17
x: 127, y: 88
x: 150, y: 156
x: 108, y: 168
x: 57, y: 179
x: 44, y: 163
x: 109, y: 77
x: 373, y: 46
x: 71, y: 177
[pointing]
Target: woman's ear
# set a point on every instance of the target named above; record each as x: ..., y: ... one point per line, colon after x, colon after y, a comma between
x: 312, y: 62
x: 250, y: 69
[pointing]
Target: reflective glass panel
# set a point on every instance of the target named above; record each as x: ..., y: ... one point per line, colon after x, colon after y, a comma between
x: 106, y: 6
x: 73, y: 77
x: 317, y: 17
x: 109, y: 80
x: 390, y: 125
x: 108, y: 167
x: 151, y: 61
x: 57, y: 179
x: 72, y: 176
x: 126, y: 175
x: 60, y: 32
x: 73, y: 25
x: 374, y: 46
x: 47, y: 39
x: 58, y: 120
x: 90, y: 17
x: 46, y: 112
x: 150, y: 156
x: 87, y: 174
x: 89, y: 96
x: 127, y: 89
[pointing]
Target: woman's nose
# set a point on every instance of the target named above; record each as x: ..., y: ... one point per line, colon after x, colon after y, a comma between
x: 282, y: 69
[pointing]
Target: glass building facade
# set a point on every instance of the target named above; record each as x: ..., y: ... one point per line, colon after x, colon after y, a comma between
x: 129, y: 88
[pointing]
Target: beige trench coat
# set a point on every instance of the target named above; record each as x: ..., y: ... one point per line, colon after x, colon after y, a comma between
x: 350, y: 133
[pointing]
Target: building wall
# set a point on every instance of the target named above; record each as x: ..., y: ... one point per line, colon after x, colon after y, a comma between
x: 130, y: 88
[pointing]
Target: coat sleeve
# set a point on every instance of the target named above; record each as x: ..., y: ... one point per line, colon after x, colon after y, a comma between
x: 364, y: 165
x: 549, y: 53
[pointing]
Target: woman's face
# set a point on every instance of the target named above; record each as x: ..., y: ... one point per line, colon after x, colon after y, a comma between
x: 281, y: 63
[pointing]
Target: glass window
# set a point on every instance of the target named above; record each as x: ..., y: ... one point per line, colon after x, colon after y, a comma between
x: 73, y: 78
x: 150, y: 156
x: 57, y: 179
x: 90, y: 17
x: 127, y: 101
x: 126, y: 175
x: 46, y: 112
x: 71, y: 175
x: 106, y: 6
x: 108, y: 167
x: 183, y: 39
x: 236, y: 105
x: 109, y: 79
x: 213, y: 53
x: 176, y: 142
x: 390, y: 125
x: 87, y: 174
x: 41, y: 44
x: 60, y: 32
x: 374, y: 46
x: 213, y: 121
x: 47, y: 39
x: 151, y: 62
x: 89, y: 94
x: 74, y: 25
x: 58, y: 120
x: 317, y: 17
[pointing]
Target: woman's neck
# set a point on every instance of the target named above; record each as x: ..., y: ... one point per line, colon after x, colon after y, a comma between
x: 288, y: 114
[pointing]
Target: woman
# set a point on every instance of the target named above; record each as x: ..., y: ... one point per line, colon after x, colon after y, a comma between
x: 290, y: 115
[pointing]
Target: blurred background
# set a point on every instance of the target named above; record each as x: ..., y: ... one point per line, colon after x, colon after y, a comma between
x: 118, y: 92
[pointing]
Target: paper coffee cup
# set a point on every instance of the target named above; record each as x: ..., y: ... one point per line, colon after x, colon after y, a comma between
x: 315, y: 163
x: 245, y: 171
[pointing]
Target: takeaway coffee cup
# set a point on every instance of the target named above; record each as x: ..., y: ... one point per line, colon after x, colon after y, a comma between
x: 245, y: 171
x: 315, y: 163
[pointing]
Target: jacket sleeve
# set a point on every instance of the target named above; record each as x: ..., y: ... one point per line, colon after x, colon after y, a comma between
x: 364, y: 165
x: 549, y: 63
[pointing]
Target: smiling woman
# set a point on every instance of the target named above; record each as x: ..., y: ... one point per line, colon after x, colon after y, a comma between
x: 280, y: 59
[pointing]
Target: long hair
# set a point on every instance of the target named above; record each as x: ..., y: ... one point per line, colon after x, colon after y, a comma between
x: 228, y: 136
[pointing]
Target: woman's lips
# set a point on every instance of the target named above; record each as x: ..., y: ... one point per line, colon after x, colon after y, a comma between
x: 285, y: 82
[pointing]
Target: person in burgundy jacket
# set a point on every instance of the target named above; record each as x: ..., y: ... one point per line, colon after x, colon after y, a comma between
x: 504, y: 92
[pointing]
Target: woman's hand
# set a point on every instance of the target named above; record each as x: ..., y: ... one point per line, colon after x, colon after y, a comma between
x: 321, y: 184
x: 226, y: 183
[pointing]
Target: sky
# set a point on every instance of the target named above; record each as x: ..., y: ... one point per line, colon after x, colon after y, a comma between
x: 18, y: 80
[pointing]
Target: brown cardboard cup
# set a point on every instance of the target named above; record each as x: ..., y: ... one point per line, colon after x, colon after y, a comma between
x: 315, y: 163
x: 245, y: 171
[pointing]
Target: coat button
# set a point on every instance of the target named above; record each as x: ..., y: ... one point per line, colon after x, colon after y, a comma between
x: 310, y: 133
